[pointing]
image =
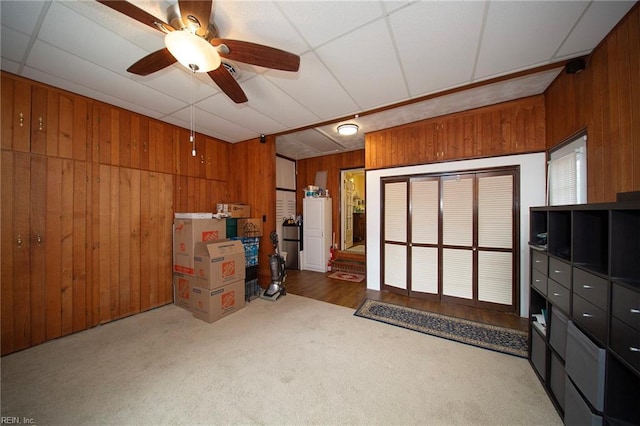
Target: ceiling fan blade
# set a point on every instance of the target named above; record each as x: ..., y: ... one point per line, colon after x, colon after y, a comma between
x: 136, y: 13
x: 199, y: 9
x: 228, y: 84
x: 257, y: 54
x: 153, y: 62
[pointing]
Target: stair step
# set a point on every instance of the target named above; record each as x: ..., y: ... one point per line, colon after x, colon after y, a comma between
x: 346, y: 265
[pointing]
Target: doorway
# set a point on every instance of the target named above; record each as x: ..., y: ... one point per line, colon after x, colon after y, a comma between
x: 352, y: 211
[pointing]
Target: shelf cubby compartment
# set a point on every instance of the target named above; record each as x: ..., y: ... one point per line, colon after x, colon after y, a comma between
x: 559, y: 237
x: 625, y: 246
x: 622, y: 390
x: 538, y: 228
x: 591, y: 240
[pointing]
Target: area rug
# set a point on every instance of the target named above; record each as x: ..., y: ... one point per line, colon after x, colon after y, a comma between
x: 500, y: 339
x: 347, y: 276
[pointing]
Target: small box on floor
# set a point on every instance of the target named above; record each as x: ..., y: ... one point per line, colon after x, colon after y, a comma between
x: 211, y: 305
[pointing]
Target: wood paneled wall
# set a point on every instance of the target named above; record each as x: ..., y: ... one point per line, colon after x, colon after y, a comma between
x: 508, y: 128
x: 333, y: 164
x: 253, y: 181
x: 604, y: 99
x: 88, y: 196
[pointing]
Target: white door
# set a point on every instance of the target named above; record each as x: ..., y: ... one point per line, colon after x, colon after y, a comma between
x: 457, y: 236
x: 425, y: 202
x: 316, y: 233
x: 395, y: 236
x: 452, y: 237
x: 495, y: 239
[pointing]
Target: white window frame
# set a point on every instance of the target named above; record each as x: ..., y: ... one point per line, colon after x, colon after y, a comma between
x: 567, y: 173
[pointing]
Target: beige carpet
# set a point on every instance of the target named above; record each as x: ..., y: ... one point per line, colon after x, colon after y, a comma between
x: 296, y: 361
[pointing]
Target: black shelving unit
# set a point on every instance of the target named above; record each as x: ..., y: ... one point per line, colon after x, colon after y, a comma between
x: 585, y: 281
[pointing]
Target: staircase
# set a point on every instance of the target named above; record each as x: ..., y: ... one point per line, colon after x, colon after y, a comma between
x: 349, y: 262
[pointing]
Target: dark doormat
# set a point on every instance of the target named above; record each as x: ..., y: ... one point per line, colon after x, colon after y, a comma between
x: 500, y: 339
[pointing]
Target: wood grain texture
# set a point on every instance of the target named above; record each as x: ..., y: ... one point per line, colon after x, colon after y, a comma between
x: 333, y: 164
x: 604, y: 99
x: 507, y: 128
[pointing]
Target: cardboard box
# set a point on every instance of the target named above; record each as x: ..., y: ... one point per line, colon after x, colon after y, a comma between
x: 212, y: 304
x: 249, y: 227
x: 187, y: 233
x: 237, y: 210
x: 181, y: 289
x: 219, y: 263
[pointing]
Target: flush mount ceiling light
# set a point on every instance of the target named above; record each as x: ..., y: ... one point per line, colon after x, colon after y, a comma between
x: 348, y: 129
x: 192, y: 51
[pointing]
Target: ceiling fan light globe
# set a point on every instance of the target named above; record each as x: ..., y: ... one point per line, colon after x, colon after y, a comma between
x: 348, y: 129
x: 190, y: 49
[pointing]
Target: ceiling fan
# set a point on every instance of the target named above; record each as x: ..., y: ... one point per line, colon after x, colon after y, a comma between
x: 192, y: 39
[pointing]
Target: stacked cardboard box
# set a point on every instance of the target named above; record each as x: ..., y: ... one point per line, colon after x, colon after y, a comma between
x: 208, y: 269
x: 187, y: 233
x: 236, y: 210
x: 219, y: 285
x: 188, y: 230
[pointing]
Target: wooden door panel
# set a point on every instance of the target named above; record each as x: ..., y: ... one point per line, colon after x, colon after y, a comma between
x: 80, y: 252
x: 21, y: 239
x: 16, y: 114
x: 9, y: 245
x: 53, y: 245
x: 39, y: 119
x: 38, y: 252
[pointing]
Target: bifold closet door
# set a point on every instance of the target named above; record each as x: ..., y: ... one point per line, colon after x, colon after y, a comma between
x: 395, y: 236
x: 496, y: 238
x: 424, y: 235
x: 457, y: 236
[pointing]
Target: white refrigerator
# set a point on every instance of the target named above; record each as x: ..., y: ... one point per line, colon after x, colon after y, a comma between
x: 317, y: 233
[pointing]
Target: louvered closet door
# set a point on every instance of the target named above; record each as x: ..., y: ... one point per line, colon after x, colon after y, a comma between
x: 457, y: 236
x: 424, y: 235
x: 495, y: 238
x: 395, y: 236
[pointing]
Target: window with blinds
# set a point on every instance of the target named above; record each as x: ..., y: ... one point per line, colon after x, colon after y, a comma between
x: 567, y: 173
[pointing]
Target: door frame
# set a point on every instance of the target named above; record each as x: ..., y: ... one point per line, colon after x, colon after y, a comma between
x: 515, y: 171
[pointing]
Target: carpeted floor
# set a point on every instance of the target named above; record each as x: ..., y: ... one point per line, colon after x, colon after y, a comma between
x: 509, y: 341
x: 296, y: 361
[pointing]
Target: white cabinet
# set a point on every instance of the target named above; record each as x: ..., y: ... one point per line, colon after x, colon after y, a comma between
x: 317, y: 233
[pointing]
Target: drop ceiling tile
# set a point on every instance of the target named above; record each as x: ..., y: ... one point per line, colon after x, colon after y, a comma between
x: 433, y: 57
x: 14, y: 44
x: 315, y: 140
x: 310, y: 18
x: 524, y: 33
x: 71, y: 86
x: 257, y: 22
x: 365, y: 63
x: 271, y: 101
x: 255, y: 121
x: 80, y: 73
x: 124, y: 27
x: 80, y: 36
x: 9, y: 66
x: 598, y: 20
x: 21, y: 15
x: 315, y: 88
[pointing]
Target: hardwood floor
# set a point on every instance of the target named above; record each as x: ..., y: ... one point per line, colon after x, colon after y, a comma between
x: 316, y: 285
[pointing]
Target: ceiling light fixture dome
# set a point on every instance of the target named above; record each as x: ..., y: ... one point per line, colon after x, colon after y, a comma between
x: 192, y: 51
x: 348, y: 129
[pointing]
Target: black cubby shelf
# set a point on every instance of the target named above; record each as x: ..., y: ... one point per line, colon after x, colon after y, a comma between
x: 585, y: 276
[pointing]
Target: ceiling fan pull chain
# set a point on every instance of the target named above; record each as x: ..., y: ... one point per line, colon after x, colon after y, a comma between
x: 192, y: 133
